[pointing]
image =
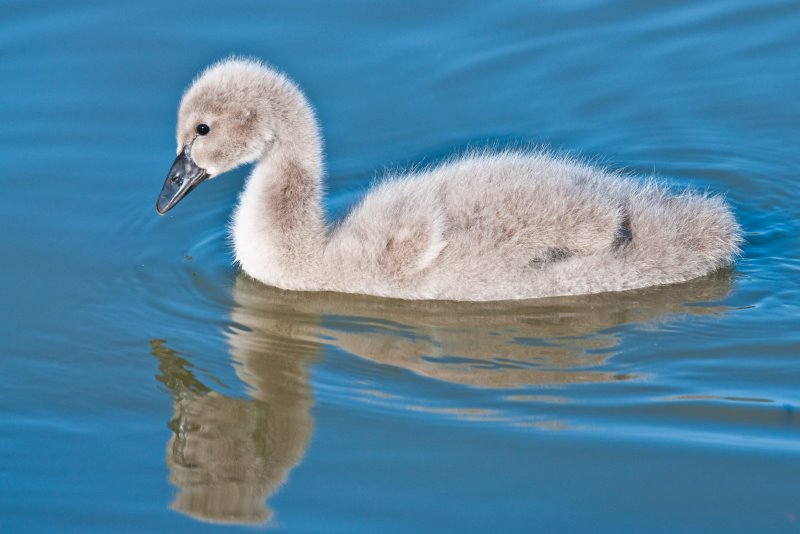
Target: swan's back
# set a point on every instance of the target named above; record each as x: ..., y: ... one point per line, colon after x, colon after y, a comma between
x: 524, y: 225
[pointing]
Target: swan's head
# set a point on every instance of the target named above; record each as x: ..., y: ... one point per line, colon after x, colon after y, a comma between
x: 227, y: 118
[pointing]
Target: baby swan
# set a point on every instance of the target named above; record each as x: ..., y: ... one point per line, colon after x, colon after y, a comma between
x: 487, y: 226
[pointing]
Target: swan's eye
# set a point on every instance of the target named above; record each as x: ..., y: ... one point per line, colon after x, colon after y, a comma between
x: 203, y: 129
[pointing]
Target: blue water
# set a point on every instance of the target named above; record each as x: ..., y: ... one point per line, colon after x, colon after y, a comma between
x: 145, y: 385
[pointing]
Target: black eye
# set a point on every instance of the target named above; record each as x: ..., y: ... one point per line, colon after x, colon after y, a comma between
x: 203, y: 129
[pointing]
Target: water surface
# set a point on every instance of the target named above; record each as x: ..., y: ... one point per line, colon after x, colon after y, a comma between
x: 147, y: 385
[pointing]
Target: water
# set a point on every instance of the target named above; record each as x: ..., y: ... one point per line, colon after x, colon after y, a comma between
x: 148, y: 386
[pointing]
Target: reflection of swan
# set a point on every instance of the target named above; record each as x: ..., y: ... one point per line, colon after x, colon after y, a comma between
x: 228, y: 455
x: 497, y: 345
x: 510, y: 225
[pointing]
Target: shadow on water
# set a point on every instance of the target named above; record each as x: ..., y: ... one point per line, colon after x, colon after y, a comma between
x: 228, y: 455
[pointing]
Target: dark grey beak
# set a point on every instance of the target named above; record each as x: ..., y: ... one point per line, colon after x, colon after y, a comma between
x: 183, y: 176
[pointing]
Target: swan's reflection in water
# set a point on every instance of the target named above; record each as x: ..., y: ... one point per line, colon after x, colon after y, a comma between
x: 228, y: 455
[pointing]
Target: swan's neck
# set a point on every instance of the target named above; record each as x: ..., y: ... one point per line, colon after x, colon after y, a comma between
x: 279, y: 225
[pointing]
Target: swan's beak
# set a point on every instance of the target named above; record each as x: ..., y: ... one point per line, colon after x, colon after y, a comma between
x: 183, y: 176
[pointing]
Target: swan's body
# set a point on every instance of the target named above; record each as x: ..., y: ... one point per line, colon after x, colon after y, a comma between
x: 507, y: 225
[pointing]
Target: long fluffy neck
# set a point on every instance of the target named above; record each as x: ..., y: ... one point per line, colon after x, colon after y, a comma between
x: 279, y: 226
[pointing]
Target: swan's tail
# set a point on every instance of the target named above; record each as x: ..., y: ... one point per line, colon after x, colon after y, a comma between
x: 665, y: 238
x: 675, y: 238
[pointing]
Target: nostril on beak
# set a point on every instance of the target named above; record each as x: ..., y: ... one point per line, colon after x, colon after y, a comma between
x: 177, y: 179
